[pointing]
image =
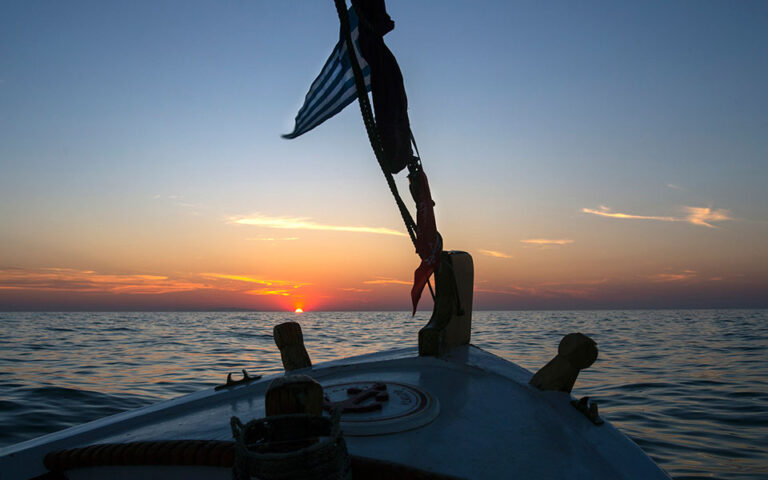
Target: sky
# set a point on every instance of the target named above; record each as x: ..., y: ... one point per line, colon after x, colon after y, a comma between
x: 586, y: 154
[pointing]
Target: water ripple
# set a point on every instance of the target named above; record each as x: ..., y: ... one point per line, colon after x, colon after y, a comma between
x: 690, y: 387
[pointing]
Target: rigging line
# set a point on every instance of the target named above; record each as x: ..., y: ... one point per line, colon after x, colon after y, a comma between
x: 415, y: 147
x: 370, y: 124
x: 368, y: 120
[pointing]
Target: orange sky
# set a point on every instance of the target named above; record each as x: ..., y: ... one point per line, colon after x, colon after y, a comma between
x: 193, y: 261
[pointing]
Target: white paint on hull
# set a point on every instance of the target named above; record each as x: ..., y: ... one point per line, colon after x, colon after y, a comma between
x: 491, y: 423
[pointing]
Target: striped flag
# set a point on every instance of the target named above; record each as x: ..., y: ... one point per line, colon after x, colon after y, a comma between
x: 334, y: 88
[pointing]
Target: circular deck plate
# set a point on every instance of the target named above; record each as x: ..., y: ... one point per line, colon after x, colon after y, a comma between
x: 406, y: 408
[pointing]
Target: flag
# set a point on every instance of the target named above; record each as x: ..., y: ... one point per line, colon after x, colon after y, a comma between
x: 334, y: 88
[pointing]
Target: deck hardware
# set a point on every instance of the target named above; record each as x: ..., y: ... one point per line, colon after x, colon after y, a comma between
x: 451, y: 322
x: 589, y: 409
x: 575, y: 352
x: 293, y: 394
x: 231, y: 383
x: 290, y: 341
x: 354, y: 404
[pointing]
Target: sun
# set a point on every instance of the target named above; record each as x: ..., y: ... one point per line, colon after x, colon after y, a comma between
x: 298, y: 310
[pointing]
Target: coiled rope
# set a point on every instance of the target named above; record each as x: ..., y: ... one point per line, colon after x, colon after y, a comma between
x: 211, y: 453
x: 174, y: 452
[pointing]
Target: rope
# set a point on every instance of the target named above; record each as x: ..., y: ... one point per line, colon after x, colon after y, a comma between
x: 175, y: 452
x: 211, y: 453
x: 370, y: 125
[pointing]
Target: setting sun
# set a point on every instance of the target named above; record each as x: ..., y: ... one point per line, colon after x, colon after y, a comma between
x: 298, y: 310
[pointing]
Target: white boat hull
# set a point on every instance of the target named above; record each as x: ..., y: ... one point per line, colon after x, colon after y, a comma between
x: 484, y: 422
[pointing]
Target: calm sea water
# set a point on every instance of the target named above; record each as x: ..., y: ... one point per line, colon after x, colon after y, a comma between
x: 690, y: 387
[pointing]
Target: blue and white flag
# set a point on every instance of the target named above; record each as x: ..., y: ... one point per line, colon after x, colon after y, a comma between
x: 334, y: 88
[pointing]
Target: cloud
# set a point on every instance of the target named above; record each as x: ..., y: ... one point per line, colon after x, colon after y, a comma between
x: 674, y: 187
x: 673, y: 277
x: 176, y: 200
x: 268, y: 291
x: 694, y: 215
x: 243, y: 284
x: 239, y: 278
x: 704, y: 215
x: 606, y: 212
x: 296, y: 223
x: 387, y: 281
x: 491, y: 290
x: 356, y: 290
x: 494, y: 253
x: 596, y: 281
x: 88, y: 281
x: 544, y: 290
x: 546, y: 241
x: 573, y: 289
x: 272, y: 239
x: 260, y: 281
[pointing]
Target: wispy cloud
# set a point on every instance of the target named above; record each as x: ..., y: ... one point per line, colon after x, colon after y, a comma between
x: 542, y: 290
x: 494, y: 253
x: 177, y: 201
x: 595, y: 281
x: 88, y: 281
x: 694, y: 215
x: 606, y: 212
x: 704, y: 215
x: 302, y: 223
x: 356, y: 290
x: 674, y: 186
x: 546, y: 290
x: 269, y: 291
x: 673, y: 277
x: 547, y: 241
x: 387, y: 281
x: 239, y: 278
x: 243, y: 284
x: 272, y: 239
x: 260, y: 281
x: 496, y: 291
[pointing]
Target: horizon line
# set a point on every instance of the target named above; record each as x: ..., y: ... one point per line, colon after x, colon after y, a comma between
x: 247, y: 310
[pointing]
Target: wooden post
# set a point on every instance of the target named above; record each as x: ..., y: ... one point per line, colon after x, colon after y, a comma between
x: 575, y: 352
x: 451, y: 321
x: 294, y: 394
x: 290, y: 341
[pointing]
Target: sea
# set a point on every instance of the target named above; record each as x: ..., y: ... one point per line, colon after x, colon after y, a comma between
x: 690, y: 387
